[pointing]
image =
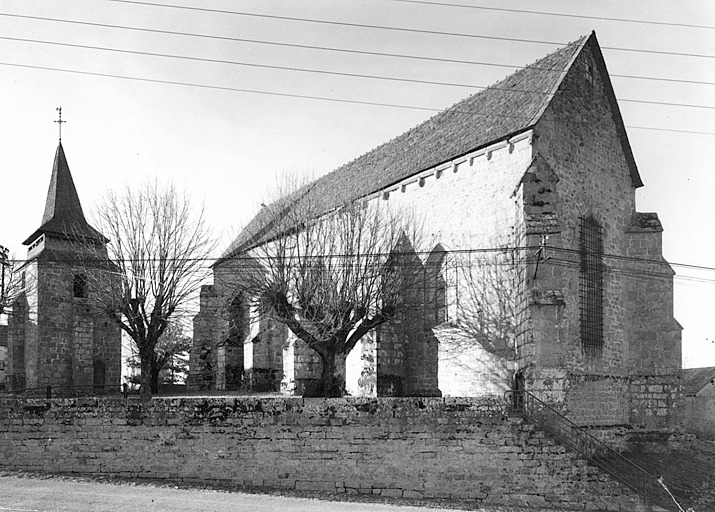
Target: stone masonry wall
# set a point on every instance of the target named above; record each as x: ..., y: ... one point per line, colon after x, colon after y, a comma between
x: 578, y: 138
x: 466, y: 204
x: 202, y: 354
x: 411, y: 448
x: 58, y: 339
x: 700, y: 412
x: 466, y: 368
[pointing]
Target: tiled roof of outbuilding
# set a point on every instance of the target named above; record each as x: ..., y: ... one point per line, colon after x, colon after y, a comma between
x: 508, y: 107
x: 695, y: 379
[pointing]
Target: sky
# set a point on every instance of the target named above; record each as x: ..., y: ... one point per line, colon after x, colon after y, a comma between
x: 190, y: 91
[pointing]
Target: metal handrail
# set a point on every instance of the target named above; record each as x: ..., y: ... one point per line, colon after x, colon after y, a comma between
x: 63, y: 391
x: 577, y: 439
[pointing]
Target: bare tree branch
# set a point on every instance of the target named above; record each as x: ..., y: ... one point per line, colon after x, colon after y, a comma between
x: 330, y: 278
x: 12, y: 282
x: 159, y: 250
x: 486, y: 310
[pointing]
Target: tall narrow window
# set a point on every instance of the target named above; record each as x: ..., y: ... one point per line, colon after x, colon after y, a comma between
x: 79, y: 286
x: 435, y: 287
x: 591, y: 286
x: 100, y: 371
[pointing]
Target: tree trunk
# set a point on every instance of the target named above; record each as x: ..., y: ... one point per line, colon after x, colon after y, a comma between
x: 145, y: 364
x: 332, y: 381
x: 154, y: 376
x: 149, y: 373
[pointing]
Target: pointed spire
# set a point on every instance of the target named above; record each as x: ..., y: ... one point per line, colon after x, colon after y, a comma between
x: 62, y: 199
x: 63, y: 214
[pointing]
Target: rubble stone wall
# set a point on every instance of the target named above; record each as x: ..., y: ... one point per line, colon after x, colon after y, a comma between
x: 402, y: 448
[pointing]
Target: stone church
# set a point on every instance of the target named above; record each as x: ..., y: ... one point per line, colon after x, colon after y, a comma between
x: 55, y: 337
x: 535, y: 174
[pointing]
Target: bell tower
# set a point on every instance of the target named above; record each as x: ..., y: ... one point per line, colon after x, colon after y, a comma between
x: 57, y: 336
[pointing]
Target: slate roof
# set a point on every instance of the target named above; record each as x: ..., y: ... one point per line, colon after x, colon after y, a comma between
x: 695, y: 379
x: 63, y: 214
x: 506, y: 108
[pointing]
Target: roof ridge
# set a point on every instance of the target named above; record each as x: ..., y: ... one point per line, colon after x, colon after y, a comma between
x: 580, y: 41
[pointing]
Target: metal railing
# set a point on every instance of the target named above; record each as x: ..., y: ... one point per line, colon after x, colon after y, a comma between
x: 595, y: 451
x: 125, y: 390
x: 64, y: 391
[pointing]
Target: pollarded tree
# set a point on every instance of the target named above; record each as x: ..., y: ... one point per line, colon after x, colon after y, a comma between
x: 329, y: 277
x: 159, y: 250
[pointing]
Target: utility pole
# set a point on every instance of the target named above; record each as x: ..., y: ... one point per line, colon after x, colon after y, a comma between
x: 4, y: 262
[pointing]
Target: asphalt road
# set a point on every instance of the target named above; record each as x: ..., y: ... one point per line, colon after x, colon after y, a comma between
x: 40, y: 495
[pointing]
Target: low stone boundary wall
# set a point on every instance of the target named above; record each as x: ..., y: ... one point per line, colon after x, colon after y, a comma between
x: 401, y: 447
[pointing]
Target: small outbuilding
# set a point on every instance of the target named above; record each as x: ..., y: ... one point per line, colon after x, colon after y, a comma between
x: 699, y: 390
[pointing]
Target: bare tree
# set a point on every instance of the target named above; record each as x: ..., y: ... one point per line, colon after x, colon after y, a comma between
x: 159, y: 249
x: 171, y: 355
x: 330, y: 278
x: 11, y: 281
x: 486, y: 307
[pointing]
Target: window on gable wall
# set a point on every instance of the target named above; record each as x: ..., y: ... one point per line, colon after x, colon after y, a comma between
x: 79, y: 286
x: 591, y: 286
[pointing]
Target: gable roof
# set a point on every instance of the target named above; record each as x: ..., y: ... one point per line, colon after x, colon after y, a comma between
x: 499, y: 112
x: 63, y: 214
x: 695, y: 379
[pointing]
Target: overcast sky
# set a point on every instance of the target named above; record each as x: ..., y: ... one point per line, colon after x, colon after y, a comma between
x: 227, y: 140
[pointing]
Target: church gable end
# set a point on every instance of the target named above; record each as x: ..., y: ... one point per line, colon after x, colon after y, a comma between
x: 611, y: 335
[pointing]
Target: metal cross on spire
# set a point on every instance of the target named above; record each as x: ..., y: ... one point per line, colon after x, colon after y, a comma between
x: 60, y: 121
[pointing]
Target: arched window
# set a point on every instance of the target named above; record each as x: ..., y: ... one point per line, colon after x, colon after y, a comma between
x: 79, y: 286
x: 591, y: 286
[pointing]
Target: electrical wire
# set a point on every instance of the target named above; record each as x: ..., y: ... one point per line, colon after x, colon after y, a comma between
x: 303, y: 96
x: 271, y: 66
x: 371, y: 53
x: 333, y: 73
x: 347, y: 24
x: 223, y: 88
x: 486, y: 251
x: 557, y: 14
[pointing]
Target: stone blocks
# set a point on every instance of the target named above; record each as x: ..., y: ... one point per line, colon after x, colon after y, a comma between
x: 397, y: 448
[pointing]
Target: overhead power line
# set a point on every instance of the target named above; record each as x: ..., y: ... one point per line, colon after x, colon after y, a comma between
x: 291, y: 95
x: 349, y: 50
x: 485, y: 251
x: 333, y: 73
x: 271, y: 66
x: 389, y: 28
x: 334, y: 49
x: 651, y: 128
x: 558, y: 14
x: 221, y: 88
